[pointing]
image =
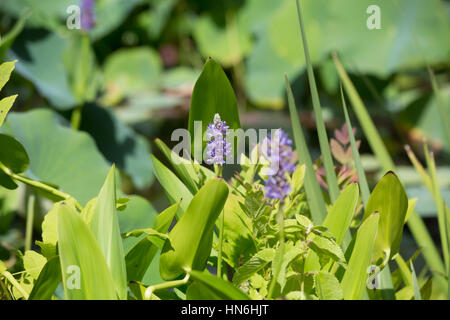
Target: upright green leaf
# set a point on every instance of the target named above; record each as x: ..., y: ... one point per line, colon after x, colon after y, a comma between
x: 323, y: 138
x: 105, y: 227
x: 341, y: 213
x: 6, y: 68
x: 5, y: 106
x: 191, y: 238
x: 355, y: 277
x: 312, y: 188
x: 85, y: 274
x: 390, y: 200
x: 212, y: 94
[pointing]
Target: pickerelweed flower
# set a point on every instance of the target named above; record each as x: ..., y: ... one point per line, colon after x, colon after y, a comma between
x: 217, y: 147
x: 87, y: 14
x: 278, y: 151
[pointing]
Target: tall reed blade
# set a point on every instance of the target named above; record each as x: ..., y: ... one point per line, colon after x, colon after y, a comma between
x: 363, y: 185
x: 312, y: 188
x: 323, y: 138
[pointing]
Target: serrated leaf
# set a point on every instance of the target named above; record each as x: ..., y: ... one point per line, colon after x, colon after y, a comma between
x: 327, y: 286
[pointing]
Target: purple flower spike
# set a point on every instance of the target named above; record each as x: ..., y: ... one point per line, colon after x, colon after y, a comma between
x: 217, y: 148
x: 278, y: 149
x: 87, y: 14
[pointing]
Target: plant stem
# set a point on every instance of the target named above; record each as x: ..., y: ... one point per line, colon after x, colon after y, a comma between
x: 75, y: 119
x: 165, y: 285
x: 219, y: 170
x: 219, y: 255
x: 16, y: 284
x: 43, y: 187
x: 30, y: 220
x: 280, y: 253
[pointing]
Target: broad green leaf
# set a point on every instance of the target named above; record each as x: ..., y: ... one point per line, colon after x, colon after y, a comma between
x: 42, y: 62
x: 256, y: 263
x: 5, y: 106
x: 139, y: 258
x: 320, y: 124
x: 54, y: 148
x: 174, y: 189
x: 341, y: 213
x: 48, y: 280
x: 355, y: 277
x: 81, y: 259
x: 327, y: 286
x: 312, y: 188
x: 191, y: 238
x: 324, y: 246
x: 105, y: 228
x: 390, y: 200
x: 212, y: 94
x: 221, y: 288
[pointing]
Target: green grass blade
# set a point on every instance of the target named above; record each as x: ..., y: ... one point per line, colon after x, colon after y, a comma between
x: 440, y: 205
x: 323, y: 138
x: 312, y: 188
x: 355, y: 277
x: 105, y: 227
x: 415, y: 223
x: 362, y: 181
x: 371, y: 133
x: 417, y: 295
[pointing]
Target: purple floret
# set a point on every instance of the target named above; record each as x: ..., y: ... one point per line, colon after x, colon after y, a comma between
x: 218, y: 147
x: 279, y: 151
x: 87, y: 14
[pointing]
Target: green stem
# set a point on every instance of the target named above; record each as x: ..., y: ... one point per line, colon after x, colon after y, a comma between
x: 43, y: 187
x: 219, y: 256
x: 16, y: 284
x: 75, y: 119
x: 30, y: 220
x: 218, y: 170
x: 280, y: 253
x: 166, y: 285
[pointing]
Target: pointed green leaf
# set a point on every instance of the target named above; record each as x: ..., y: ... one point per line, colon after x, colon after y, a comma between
x: 390, y: 200
x: 355, y: 277
x: 174, y: 189
x: 5, y: 106
x: 6, y: 68
x: 341, y: 213
x: 191, y: 238
x: 105, y: 227
x: 85, y: 274
x: 327, y: 286
x: 212, y: 94
x: 48, y: 280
